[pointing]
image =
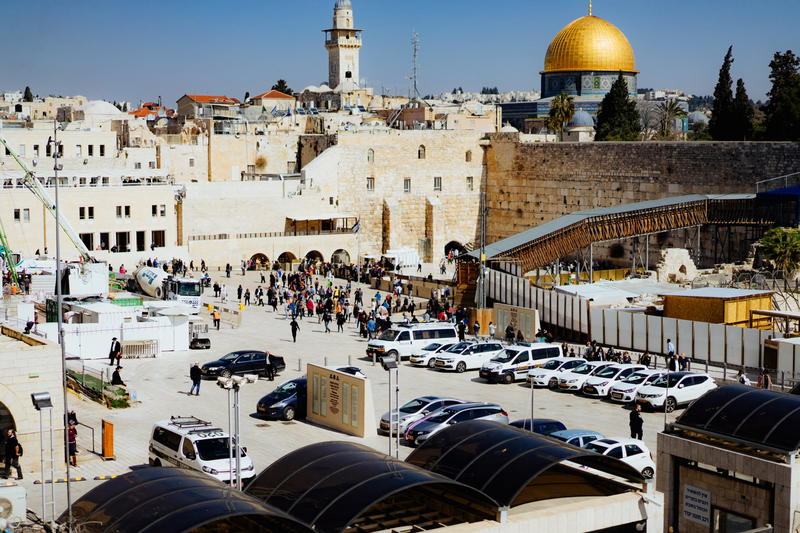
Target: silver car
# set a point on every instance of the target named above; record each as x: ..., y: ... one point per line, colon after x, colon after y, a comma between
x: 413, y: 411
x: 420, y: 431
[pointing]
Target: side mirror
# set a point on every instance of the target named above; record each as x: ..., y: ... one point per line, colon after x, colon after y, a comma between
x: 680, y: 386
x: 192, y: 456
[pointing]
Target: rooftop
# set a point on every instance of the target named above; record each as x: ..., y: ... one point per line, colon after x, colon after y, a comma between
x: 719, y: 292
x: 212, y: 99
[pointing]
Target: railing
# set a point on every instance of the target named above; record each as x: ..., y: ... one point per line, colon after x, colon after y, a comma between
x: 92, y: 430
x: 761, y: 186
x: 264, y: 235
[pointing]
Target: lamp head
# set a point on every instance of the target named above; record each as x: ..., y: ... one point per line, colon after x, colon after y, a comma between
x: 224, y: 383
x: 389, y: 363
x: 41, y: 400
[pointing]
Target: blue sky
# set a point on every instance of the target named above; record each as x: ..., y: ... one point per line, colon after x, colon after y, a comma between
x: 125, y: 50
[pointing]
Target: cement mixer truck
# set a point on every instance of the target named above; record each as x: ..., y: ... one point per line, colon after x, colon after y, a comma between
x: 158, y: 284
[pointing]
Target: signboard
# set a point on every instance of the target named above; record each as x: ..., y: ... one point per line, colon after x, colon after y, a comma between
x: 697, y: 505
x: 339, y: 401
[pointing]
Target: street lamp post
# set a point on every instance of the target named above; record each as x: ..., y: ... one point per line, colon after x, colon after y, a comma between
x: 42, y: 402
x: 234, y: 383
x: 390, y: 364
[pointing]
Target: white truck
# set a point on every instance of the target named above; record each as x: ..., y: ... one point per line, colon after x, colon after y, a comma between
x: 162, y: 285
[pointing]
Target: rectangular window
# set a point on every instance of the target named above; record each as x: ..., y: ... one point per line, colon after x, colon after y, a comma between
x: 36, y: 150
x: 17, y: 215
x: 407, y: 185
x: 154, y: 210
x: 21, y: 150
x: 470, y: 184
x: 91, y: 212
x: 88, y: 240
x: 437, y: 183
x: 137, y: 166
x: 370, y: 184
x: 60, y: 150
x: 26, y: 215
x: 78, y: 151
x: 152, y: 164
x: 162, y: 210
x: 354, y: 407
x: 48, y: 150
x: 315, y: 395
x: 127, y: 211
x: 158, y: 238
x: 191, y: 162
x: 82, y: 213
x: 102, y: 150
x: 346, y: 404
x: 119, y: 211
x: 91, y: 150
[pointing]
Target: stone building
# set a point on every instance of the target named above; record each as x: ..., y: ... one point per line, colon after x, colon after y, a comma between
x: 343, y: 42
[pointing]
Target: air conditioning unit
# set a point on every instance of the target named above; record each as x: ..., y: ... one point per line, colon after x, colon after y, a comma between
x: 13, y: 503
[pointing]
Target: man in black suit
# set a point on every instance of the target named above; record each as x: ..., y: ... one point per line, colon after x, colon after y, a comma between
x: 115, y: 352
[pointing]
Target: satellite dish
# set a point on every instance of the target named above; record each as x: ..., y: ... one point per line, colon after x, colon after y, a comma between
x: 5, y: 508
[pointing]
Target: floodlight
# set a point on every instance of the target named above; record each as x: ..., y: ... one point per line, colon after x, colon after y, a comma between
x: 41, y: 400
x: 389, y: 363
x: 237, y: 380
x: 224, y: 383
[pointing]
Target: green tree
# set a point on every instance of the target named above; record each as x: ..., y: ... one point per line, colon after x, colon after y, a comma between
x: 562, y: 109
x: 699, y: 132
x: 28, y: 97
x: 781, y: 247
x: 742, y: 113
x: 618, y: 119
x: 282, y: 87
x: 782, y: 112
x: 668, y: 111
x: 721, y: 125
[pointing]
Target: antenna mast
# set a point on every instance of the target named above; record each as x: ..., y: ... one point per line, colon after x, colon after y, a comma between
x: 414, y: 70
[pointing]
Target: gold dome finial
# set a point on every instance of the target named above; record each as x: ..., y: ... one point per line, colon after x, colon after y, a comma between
x: 590, y: 8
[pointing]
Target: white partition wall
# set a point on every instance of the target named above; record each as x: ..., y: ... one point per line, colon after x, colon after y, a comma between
x: 684, y: 341
x: 610, y: 329
x: 717, y: 334
x: 701, y: 340
x: 639, y: 332
x: 752, y: 347
x: 654, y: 343
x: 734, y: 337
x: 625, y: 329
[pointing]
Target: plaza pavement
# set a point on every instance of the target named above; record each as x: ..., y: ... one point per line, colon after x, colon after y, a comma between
x: 161, y: 384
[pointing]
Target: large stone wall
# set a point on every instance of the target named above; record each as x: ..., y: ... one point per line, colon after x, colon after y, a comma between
x: 532, y: 183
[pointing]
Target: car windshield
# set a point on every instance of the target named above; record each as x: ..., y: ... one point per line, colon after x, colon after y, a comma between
x: 230, y: 357
x: 388, y: 335
x: 635, y: 378
x: 662, y: 381
x: 284, y: 391
x: 595, y: 446
x: 441, y: 416
x: 584, y: 369
x: 413, y: 406
x: 189, y: 289
x: 458, y: 347
x: 213, y: 449
x: 607, y: 372
x: 552, y: 365
x: 506, y: 356
x: 432, y: 347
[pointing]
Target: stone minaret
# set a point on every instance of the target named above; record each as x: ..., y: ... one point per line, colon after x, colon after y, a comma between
x: 343, y: 42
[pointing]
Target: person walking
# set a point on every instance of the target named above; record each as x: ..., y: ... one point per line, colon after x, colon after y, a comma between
x: 115, y: 352
x: 462, y: 328
x: 295, y: 328
x: 13, y: 453
x: 636, y: 422
x: 510, y: 334
x: 670, y: 348
x: 492, y: 329
x: 72, y: 442
x: 239, y: 293
x: 195, y: 374
x: 269, y: 369
x: 476, y: 329
x: 326, y: 319
x: 764, y: 379
x: 215, y: 317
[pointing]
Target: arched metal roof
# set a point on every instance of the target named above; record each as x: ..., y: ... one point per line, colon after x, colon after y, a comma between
x: 153, y: 500
x: 759, y: 417
x: 504, y: 462
x: 332, y: 485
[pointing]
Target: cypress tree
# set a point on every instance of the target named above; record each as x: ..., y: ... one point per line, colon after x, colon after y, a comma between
x: 721, y: 124
x: 28, y: 96
x: 782, y: 112
x: 617, y: 119
x: 742, y: 113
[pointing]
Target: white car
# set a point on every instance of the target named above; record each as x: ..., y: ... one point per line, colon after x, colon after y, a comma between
x: 415, y: 410
x: 427, y: 355
x: 625, y: 391
x: 514, y: 362
x: 467, y: 356
x: 675, y: 389
x: 630, y: 451
x: 547, y: 375
x: 575, y: 378
x: 599, y: 384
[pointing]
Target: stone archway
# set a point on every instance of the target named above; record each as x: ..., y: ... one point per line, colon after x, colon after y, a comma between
x: 341, y: 257
x: 315, y: 255
x: 455, y: 247
x: 259, y: 261
x: 287, y: 257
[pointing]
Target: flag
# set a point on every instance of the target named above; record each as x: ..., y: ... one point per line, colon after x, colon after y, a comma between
x: 356, y: 227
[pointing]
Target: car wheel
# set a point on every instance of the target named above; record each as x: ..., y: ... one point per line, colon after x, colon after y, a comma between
x: 553, y: 383
x: 392, y: 353
x: 288, y: 413
x: 155, y: 462
x: 225, y: 374
x: 508, y: 378
x: 460, y: 367
x: 670, y: 404
x: 648, y: 473
x: 431, y: 362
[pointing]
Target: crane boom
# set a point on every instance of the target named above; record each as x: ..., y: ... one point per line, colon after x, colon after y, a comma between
x: 40, y: 192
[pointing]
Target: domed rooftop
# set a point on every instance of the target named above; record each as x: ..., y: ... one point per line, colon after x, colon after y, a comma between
x: 581, y: 119
x: 343, y: 4
x: 99, y: 107
x: 589, y: 44
x: 698, y: 116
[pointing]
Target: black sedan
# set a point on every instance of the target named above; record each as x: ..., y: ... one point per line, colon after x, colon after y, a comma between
x: 242, y: 362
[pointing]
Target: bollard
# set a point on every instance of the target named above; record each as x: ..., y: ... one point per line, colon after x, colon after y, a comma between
x: 783, y: 380
x: 724, y: 371
x: 83, y: 373
x: 349, y: 360
x: 325, y: 361
x: 373, y: 359
x: 299, y: 365
x: 706, y: 364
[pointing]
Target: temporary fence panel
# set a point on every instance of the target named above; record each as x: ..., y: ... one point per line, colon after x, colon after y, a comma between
x: 717, y: 334
x: 584, y: 305
x: 734, y: 336
x: 669, y: 330
x: 610, y: 327
x: 753, y: 346
x: 639, y: 327
x: 654, y: 337
x: 788, y: 354
x: 597, y: 325
x: 685, y: 338
x: 140, y: 349
x: 625, y: 330
x: 700, y: 333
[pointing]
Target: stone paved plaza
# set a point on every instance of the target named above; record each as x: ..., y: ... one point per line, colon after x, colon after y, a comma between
x: 161, y: 385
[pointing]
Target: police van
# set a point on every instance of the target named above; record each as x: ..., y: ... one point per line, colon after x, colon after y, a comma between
x: 405, y: 340
x: 514, y: 362
x: 194, y: 444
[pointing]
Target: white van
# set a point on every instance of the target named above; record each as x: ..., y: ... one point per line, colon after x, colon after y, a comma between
x: 188, y: 442
x: 405, y: 340
x: 515, y: 361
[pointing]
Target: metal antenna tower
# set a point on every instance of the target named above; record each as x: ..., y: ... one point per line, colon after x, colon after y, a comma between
x: 414, y: 69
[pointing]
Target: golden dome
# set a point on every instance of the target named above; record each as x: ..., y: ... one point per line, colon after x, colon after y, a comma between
x: 589, y: 44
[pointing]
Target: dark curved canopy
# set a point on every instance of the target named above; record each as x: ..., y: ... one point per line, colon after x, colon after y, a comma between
x: 334, y: 486
x: 506, y: 463
x: 758, y: 417
x: 153, y: 500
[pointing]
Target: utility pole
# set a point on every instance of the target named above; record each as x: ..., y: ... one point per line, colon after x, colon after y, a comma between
x: 482, y: 271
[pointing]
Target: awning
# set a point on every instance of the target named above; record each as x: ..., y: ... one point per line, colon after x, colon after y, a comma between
x: 323, y: 216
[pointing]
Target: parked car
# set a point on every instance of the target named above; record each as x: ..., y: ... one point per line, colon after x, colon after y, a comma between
x: 599, y: 384
x: 242, y: 362
x: 630, y: 451
x: 625, y: 390
x: 286, y: 402
x: 674, y: 390
x: 422, y: 430
x: 466, y: 356
x: 514, y: 362
x: 352, y: 370
x: 542, y: 426
x: 575, y: 378
x: 577, y: 437
x: 403, y: 340
x: 547, y: 375
x: 427, y: 355
x: 414, y: 410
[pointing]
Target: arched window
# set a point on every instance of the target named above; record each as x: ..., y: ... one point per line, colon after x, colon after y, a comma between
x: 370, y: 156
x: 421, y: 152
x: 469, y: 156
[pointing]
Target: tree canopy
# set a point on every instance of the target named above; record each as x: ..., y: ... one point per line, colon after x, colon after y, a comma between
x: 28, y: 96
x: 562, y: 109
x: 742, y: 114
x: 721, y: 125
x: 782, y: 112
x: 281, y: 86
x: 781, y: 246
x: 618, y: 119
